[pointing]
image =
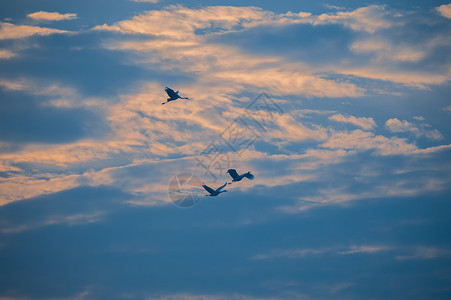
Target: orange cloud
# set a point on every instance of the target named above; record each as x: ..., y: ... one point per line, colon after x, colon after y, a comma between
x: 365, y: 123
x: 11, y: 31
x: 445, y: 10
x: 51, y: 16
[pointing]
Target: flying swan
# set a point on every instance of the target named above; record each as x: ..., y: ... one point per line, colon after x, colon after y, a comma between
x: 236, y: 177
x: 172, y: 95
x: 212, y: 191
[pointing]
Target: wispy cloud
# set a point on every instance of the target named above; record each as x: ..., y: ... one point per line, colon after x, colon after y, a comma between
x: 369, y: 19
x: 334, y: 250
x: 5, y: 54
x: 363, y: 140
x: 222, y: 296
x: 425, y: 252
x: 51, y: 16
x: 365, y: 123
x: 72, y: 220
x: 355, y: 249
x: 182, y: 39
x: 396, y: 125
x: 11, y: 31
x: 149, y: 1
x: 384, y: 50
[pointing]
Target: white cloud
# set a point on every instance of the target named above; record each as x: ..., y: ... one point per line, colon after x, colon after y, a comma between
x: 396, y: 125
x: 11, y: 31
x: 445, y: 10
x: 51, y: 16
x: 365, y: 123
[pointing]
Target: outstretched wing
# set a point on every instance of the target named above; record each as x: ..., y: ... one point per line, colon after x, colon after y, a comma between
x: 249, y: 176
x: 208, y: 189
x: 171, y: 93
x: 221, y: 187
x: 233, y: 173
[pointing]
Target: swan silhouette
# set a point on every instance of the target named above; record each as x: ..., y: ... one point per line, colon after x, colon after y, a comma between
x: 172, y: 95
x: 212, y: 191
x: 236, y: 177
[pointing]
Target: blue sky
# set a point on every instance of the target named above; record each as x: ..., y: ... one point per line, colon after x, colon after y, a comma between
x: 351, y: 197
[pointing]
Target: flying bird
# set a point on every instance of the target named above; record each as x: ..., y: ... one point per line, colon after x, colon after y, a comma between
x: 236, y: 177
x: 212, y: 191
x: 172, y: 95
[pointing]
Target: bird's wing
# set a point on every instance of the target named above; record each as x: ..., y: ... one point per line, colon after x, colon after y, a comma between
x: 208, y: 189
x: 249, y: 176
x: 233, y: 173
x: 170, y: 92
x: 221, y: 187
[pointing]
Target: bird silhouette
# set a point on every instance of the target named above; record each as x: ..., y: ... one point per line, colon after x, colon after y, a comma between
x: 236, y: 177
x: 172, y: 95
x: 212, y: 191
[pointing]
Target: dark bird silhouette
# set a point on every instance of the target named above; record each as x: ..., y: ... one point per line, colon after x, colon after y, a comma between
x: 236, y: 177
x: 172, y: 95
x: 212, y: 191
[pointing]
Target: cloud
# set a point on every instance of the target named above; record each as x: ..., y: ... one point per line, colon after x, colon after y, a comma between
x: 369, y: 19
x: 181, y: 41
x: 424, y: 252
x: 301, y: 253
x: 365, y: 249
x: 384, y: 50
x: 149, y: 1
x: 51, y: 16
x: 180, y: 36
x: 365, y: 123
x: 363, y: 140
x: 11, y: 31
x: 222, y: 296
x: 75, y: 219
x: 181, y: 22
x: 166, y: 135
x: 419, y: 118
x: 445, y: 10
x: 178, y: 22
x: 291, y: 254
x: 37, y: 87
x: 395, y: 125
x: 6, y: 54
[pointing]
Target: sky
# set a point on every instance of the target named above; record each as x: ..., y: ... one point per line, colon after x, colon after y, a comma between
x: 340, y: 109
